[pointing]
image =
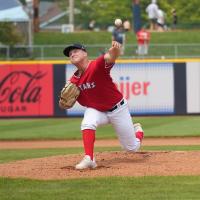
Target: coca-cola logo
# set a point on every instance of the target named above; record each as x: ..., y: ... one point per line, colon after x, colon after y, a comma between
x: 13, y: 89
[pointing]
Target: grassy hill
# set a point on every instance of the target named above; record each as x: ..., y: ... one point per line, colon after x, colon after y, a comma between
x: 162, y: 44
x: 104, y: 37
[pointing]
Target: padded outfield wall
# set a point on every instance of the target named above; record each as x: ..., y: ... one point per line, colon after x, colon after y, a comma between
x: 151, y: 87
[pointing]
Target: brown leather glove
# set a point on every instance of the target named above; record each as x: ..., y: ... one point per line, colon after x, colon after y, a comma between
x: 68, y: 95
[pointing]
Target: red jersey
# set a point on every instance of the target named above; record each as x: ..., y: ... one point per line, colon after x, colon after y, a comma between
x: 97, y: 87
x: 143, y: 36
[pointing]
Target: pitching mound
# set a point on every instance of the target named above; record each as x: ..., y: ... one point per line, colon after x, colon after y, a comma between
x: 109, y: 164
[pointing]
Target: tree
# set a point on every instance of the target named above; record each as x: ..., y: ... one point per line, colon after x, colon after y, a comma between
x: 105, y: 11
x: 9, y: 34
x: 187, y: 10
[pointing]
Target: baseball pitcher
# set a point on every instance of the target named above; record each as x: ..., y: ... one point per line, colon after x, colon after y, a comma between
x: 92, y: 86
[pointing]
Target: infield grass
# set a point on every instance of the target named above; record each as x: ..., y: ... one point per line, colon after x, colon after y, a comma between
x: 112, y: 188
x: 105, y: 188
x: 9, y: 155
x: 69, y: 128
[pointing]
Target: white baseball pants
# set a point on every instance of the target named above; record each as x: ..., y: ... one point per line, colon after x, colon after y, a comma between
x: 121, y: 121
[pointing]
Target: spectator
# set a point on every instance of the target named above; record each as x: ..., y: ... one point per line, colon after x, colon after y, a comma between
x: 118, y: 35
x: 174, y: 19
x: 143, y: 38
x: 91, y: 25
x: 152, y: 10
x: 160, y: 20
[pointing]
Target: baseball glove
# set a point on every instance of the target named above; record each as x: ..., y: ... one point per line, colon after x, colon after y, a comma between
x: 68, y: 95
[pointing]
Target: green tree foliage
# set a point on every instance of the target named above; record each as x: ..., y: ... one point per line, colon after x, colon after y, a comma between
x: 9, y: 34
x: 102, y: 11
x: 105, y: 11
x: 187, y: 10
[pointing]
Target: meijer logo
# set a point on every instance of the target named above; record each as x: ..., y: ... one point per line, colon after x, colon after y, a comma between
x: 135, y: 88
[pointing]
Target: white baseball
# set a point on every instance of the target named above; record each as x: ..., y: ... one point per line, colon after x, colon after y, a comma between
x: 118, y: 22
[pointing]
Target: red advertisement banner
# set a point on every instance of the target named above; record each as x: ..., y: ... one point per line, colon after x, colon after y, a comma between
x: 26, y: 90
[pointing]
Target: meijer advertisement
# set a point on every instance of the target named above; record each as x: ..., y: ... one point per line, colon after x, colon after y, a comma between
x: 148, y: 87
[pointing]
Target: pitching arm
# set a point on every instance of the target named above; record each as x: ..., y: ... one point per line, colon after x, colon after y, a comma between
x: 113, y: 53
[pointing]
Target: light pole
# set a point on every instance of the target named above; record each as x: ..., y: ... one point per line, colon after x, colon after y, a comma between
x: 29, y: 6
x: 71, y: 12
x: 35, y: 15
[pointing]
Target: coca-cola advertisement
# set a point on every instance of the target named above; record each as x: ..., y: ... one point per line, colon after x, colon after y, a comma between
x: 26, y: 90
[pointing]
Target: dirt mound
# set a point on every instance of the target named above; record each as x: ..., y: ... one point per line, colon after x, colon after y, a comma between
x: 109, y: 164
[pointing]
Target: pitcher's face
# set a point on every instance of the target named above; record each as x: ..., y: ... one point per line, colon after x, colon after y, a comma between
x: 77, y: 55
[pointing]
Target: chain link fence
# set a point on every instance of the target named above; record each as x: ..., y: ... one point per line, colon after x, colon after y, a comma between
x: 49, y: 52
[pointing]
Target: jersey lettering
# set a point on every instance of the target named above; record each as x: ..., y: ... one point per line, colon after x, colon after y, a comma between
x: 86, y: 86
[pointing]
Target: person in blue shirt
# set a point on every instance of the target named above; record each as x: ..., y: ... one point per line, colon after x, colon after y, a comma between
x: 118, y: 35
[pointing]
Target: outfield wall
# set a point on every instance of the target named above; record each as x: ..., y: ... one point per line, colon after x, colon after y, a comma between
x: 151, y: 87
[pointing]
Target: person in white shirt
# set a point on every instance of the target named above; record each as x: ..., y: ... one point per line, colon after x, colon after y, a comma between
x: 152, y: 11
x: 161, y: 20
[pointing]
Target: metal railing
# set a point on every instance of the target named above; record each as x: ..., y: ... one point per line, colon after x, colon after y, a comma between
x: 49, y: 52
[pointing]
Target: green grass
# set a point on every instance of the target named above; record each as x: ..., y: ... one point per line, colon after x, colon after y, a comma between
x: 171, y: 148
x: 8, y: 155
x: 104, y: 37
x: 114, y: 188
x: 171, y: 126
x: 22, y: 154
x: 69, y: 128
x: 62, y: 39
x: 102, y: 41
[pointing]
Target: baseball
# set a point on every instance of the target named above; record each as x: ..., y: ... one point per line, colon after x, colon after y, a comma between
x: 118, y: 22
